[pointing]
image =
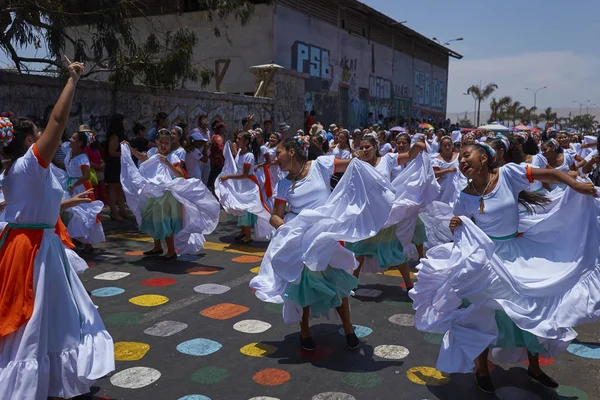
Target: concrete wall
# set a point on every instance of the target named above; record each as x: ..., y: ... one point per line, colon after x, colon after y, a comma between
x: 344, y: 81
x: 35, y: 96
x: 245, y: 46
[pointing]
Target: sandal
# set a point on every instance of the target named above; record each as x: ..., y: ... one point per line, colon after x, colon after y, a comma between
x: 170, y: 256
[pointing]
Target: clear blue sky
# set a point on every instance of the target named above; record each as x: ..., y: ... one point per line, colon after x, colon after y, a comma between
x: 515, y: 43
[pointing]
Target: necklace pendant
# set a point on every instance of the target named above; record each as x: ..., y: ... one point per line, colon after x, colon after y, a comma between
x: 481, y: 205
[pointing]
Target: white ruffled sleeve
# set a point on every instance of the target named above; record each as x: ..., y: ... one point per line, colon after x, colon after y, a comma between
x: 516, y: 177
x: 326, y: 166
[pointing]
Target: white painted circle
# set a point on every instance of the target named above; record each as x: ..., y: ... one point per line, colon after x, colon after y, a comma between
x: 333, y: 396
x: 391, y: 352
x: 368, y: 293
x: 403, y: 319
x: 165, y: 328
x: 135, y: 378
x: 112, y: 276
x: 251, y: 326
x: 212, y: 288
x: 264, y: 398
x: 513, y: 393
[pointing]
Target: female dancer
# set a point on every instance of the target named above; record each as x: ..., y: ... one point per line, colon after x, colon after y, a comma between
x: 557, y: 159
x: 342, y: 149
x: 161, y: 217
x: 269, y: 156
x: 38, y: 286
x: 383, y: 144
x: 177, y: 144
x: 509, y: 303
x: 77, y: 166
x: 445, y: 166
x: 384, y: 246
x: 304, y: 267
x: 248, y: 152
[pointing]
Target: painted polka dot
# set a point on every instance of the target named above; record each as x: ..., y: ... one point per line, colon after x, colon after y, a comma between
x: 568, y: 392
x: 584, y: 350
x: 130, y: 351
x: 543, y: 361
x: 255, y: 270
x: 124, y: 318
x: 251, y: 326
x: 199, y: 347
x: 274, y: 308
x: 319, y: 354
x: 165, y: 328
x: 135, y: 378
x: 134, y: 253
x: 246, y: 259
x: 202, y: 270
x: 107, y: 291
x: 359, y: 330
x: 149, y: 300
x: 258, y: 350
x: 333, y: 396
x: 403, y: 319
x: 212, y: 288
x: 368, y: 293
x: 363, y: 380
x: 263, y: 398
x: 427, y: 376
x: 434, y: 338
x: 210, y: 375
x: 271, y: 377
x: 91, y: 264
x: 158, y: 282
x: 112, y: 276
x: 391, y: 352
x: 194, y: 397
x: 513, y: 393
x: 224, y: 311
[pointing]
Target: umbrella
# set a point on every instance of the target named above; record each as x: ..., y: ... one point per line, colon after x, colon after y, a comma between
x: 522, y: 127
x: 495, y: 127
x: 398, y: 129
x: 426, y: 126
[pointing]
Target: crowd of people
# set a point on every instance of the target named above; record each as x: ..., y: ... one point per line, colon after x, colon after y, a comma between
x: 483, y: 212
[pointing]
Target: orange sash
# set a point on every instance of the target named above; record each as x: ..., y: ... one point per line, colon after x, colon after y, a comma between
x: 268, y: 187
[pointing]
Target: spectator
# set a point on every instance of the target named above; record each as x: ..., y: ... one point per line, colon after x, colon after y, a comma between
x: 139, y: 141
x: 333, y: 130
x: 283, y: 129
x: 96, y: 163
x: 205, y: 132
x: 112, y: 174
x: 217, y: 159
x: 161, y: 122
x: 196, y: 155
x: 59, y: 156
x: 268, y: 128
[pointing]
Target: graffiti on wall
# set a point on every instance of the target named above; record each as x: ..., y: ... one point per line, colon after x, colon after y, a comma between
x: 312, y: 60
x: 402, y: 91
x: 356, y: 113
x: 422, y: 88
x: 380, y: 93
x: 438, y: 98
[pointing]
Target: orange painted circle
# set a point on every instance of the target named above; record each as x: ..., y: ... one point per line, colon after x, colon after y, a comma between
x: 271, y: 377
x: 202, y: 270
x: 246, y: 259
x: 135, y: 253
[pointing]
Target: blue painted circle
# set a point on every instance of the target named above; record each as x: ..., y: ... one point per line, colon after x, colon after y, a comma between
x: 359, y: 330
x: 107, y: 291
x: 194, y: 397
x: 199, y: 347
x: 585, y: 350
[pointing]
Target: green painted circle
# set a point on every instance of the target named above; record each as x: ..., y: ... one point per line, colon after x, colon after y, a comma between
x: 210, y: 375
x: 394, y: 303
x: 363, y: 380
x: 274, y: 308
x: 123, y: 318
x: 434, y: 338
x: 568, y: 392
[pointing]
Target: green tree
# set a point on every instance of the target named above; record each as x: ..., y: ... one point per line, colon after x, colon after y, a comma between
x: 585, y: 122
x: 162, y: 59
x: 481, y: 94
x: 498, y: 108
x: 528, y: 115
x: 548, y: 115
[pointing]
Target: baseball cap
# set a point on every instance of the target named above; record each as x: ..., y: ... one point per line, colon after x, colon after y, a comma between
x: 198, y: 136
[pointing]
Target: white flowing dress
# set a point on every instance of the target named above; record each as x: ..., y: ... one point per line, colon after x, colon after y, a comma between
x: 64, y: 347
x: 201, y: 209
x: 546, y: 286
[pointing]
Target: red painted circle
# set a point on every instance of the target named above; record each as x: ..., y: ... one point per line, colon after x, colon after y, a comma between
x: 543, y: 361
x: 271, y: 377
x: 158, y: 282
x: 91, y: 265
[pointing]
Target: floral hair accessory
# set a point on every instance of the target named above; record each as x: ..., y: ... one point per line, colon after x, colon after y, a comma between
x: 555, y: 144
x: 524, y: 135
x: 7, y: 133
x: 304, y: 142
x: 504, y: 141
x: 491, y: 152
x: 91, y: 136
x: 370, y: 135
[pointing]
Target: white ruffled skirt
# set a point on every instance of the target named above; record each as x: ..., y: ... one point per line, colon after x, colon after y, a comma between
x: 547, y: 281
x: 64, y: 347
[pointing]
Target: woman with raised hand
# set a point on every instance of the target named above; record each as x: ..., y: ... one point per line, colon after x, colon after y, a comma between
x: 39, y: 287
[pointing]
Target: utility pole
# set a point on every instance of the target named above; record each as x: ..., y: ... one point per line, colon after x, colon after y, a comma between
x: 535, y: 92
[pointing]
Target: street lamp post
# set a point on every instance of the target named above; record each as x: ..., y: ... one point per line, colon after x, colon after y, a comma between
x: 535, y: 92
x: 581, y: 105
x: 448, y: 42
x: 587, y: 111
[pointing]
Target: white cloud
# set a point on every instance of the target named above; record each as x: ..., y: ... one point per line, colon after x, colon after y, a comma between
x: 569, y: 76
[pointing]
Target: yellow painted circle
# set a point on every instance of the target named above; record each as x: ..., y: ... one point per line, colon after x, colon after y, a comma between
x: 130, y: 351
x: 395, y: 273
x: 258, y: 350
x: 255, y: 270
x: 427, y: 376
x: 149, y: 300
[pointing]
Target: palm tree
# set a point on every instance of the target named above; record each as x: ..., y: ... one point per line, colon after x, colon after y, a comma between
x: 548, y: 115
x: 480, y: 95
x: 514, y: 111
x: 497, y: 107
x: 528, y: 115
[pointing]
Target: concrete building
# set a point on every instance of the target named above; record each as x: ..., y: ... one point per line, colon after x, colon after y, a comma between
x: 353, y: 59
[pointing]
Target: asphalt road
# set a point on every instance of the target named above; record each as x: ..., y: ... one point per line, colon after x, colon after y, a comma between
x: 192, y: 327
